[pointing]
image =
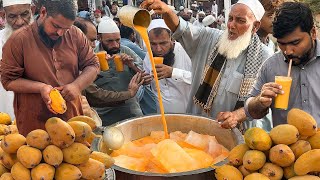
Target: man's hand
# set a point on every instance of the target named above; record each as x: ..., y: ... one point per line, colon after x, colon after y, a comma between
x: 135, y: 83
x: 158, y: 6
x: 45, y: 91
x: 229, y: 119
x: 70, y: 91
x: 164, y: 71
x: 146, y: 77
x: 268, y: 92
x: 127, y: 60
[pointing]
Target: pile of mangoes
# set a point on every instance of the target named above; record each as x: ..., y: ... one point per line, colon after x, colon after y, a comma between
x: 290, y: 151
x: 61, y: 152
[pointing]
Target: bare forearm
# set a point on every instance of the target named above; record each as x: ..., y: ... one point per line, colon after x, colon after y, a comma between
x: 22, y: 85
x: 256, y: 109
x: 87, y: 76
x: 172, y: 20
x: 241, y: 115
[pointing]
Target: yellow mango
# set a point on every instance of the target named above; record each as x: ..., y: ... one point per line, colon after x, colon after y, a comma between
x: 60, y: 132
x: 8, y: 160
x: 3, y: 169
x: 300, y: 147
x: 272, y: 171
x: 245, y: 172
x: 254, y: 160
x: 107, y: 160
x: 228, y: 172
x: 236, y: 154
x: 257, y: 139
x: 82, y: 130
x: 11, y: 129
x: 5, y: 118
x: 38, y: 139
x: 18, y: 171
x: 43, y: 172
x: 67, y: 172
x: 52, y: 155
x: 305, y: 177
x: 58, y: 104
x: 256, y: 176
x: 12, y: 142
x: 92, y: 169
x: 85, y: 119
x: 28, y: 156
x: 6, y: 176
x: 303, y: 121
x: 75, y: 154
x: 308, y: 162
x: 315, y: 140
x: 281, y: 155
x: 284, y: 134
x: 288, y: 172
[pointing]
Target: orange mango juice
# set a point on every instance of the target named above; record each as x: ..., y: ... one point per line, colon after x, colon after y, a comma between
x: 158, y: 60
x: 118, y: 62
x: 144, y: 34
x: 104, y: 66
x: 282, y: 100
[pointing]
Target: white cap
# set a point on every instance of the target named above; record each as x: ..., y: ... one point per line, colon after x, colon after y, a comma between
x: 15, y: 2
x: 201, y: 12
x: 157, y: 23
x: 189, y: 11
x: 208, y: 20
x: 107, y: 25
x: 255, y: 6
x: 181, y: 8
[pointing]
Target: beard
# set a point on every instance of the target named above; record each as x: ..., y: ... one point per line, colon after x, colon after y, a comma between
x: 111, y: 51
x: 114, y: 13
x: 10, y: 30
x: 168, y: 59
x: 232, y: 48
x: 298, y: 60
x: 46, y: 39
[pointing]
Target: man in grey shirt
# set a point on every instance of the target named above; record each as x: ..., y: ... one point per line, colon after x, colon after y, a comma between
x: 221, y: 74
x: 296, y: 34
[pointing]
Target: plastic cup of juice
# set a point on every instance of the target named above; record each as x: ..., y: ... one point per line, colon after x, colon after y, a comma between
x: 104, y: 66
x: 282, y: 100
x: 118, y: 62
x: 158, y: 60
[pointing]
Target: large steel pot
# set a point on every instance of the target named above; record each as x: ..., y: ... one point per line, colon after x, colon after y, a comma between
x: 140, y: 127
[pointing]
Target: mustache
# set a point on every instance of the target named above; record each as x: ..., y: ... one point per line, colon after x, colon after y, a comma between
x: 292, y: 57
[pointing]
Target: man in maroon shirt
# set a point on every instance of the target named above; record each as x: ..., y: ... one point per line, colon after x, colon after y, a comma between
x: 49, y: 53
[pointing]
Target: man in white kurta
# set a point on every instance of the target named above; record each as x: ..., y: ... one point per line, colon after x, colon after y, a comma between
x: 18, y: 14
x: 175, y: 74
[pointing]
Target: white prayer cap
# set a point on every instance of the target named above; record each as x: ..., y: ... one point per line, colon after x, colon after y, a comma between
x: 201, y: 12
x: 15, y: 2
x: 107, y: 25
x: 157, y: 23
x: 208, y: 20
x: 189, y: 11
x: 181, y: 8
x: 255, y: 6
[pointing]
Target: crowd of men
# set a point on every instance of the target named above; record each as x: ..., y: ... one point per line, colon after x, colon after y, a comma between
x: 223, y: 70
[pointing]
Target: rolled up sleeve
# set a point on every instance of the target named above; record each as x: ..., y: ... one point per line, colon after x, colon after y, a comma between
x: 181, y: 75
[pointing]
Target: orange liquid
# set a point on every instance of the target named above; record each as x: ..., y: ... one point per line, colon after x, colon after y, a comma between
x: 282, y: 100
x: 119, y: 64
x: 158, y: 60
x: 144, y: 34
x: 103, y: 61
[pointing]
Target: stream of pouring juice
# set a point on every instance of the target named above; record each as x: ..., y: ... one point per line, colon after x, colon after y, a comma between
x: 144, y: 34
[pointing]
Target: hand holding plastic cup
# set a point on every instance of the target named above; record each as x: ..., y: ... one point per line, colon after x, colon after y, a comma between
x: 104, y: 66
x: 158, y: 60
x: 118, y: 63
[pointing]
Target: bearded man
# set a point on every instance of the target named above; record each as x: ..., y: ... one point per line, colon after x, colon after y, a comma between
x: 49, y: 53
x: 224, y: 63
x: 175, y: 73
x: 18, y: 14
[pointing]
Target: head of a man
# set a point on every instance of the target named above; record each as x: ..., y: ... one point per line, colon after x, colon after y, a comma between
x: 109, y: 36
x: 294, y: 29
x: 88, y: 28
x: 17, y: 15
x: 266, y: 21
x: 184, y: 15
x: 201, y: 16
x: 56, y: 18
x: 161, y: 41
x: 128, y: 33
x: 97, y: 14
x: 114, y: 9
x: 243, y: 22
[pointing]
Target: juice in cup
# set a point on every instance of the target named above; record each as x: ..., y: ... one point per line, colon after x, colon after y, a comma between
x: 118, y: 62
x: 104, y: 66
x: 158, y: 60
x: 282, y: 100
